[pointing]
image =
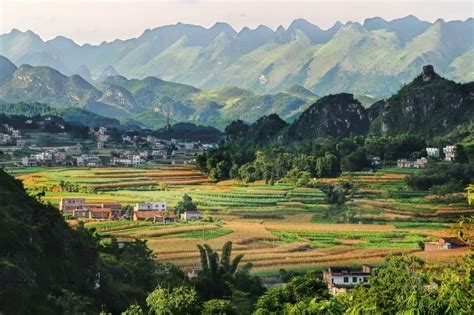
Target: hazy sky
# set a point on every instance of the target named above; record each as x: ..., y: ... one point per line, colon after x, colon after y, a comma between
x: 105, y: 20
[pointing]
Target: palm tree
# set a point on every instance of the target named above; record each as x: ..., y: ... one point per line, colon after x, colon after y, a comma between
x: 217, y: 275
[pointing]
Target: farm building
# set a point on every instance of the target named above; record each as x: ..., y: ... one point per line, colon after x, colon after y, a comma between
x: 443, y: 244
x: 191, y: 216
x: 339, y: 279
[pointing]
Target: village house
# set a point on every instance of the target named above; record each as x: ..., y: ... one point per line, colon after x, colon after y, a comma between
x: 5, y: 139
x: 154, y: 215
x: 340, y: 279
x: 29, y: 161
x: 115, y: 210
x: 129, y: 159
x: 78, y: 208
x: 432, y: 153
x: 150, y: 206
x: 100, y: 213
x: 20, y: 143
x: 191, y: 216
x: 88, y: 160
x: 443, y: 244
x: 179, y: 153
x: 67, y: 204
x: 79, y: 213
x: 155, y: 211
x: 449, y: 153
x: 419, y: 163
x: 160, y: 154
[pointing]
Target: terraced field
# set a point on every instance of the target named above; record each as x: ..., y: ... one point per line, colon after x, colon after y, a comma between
x: 275, y: 226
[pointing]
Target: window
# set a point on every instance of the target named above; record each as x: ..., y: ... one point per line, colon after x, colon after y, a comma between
x: 354, y: 279
x: 346, y: 279
x: 366, y: 279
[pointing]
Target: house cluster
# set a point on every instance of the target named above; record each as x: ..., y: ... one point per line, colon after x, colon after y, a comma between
x: 432, y: 153
x: 51, y: 157
x: 156, y: 211
x: 11, y: 136
x: 340, y: 279
x: 449, y: 153
x: 174, y: 149
x: 445, y: 243
x: 78, y: 208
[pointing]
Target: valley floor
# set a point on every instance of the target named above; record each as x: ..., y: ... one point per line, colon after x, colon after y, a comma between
x: 274, y: 226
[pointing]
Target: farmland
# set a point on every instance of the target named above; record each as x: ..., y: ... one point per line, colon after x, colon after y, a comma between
x: 276, y: 226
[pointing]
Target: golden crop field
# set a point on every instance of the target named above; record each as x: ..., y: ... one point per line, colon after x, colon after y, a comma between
x: 273, y: 226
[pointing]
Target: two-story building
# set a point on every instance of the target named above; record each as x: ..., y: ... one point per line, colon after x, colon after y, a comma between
x: 67, y: 204
x: 449, y: 153
x: 340, y: 279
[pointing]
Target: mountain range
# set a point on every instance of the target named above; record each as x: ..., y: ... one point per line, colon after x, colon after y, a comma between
x: 386, y: 54
x: 149, y: 101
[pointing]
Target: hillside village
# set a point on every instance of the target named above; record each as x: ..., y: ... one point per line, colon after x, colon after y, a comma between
x: 127, y: 151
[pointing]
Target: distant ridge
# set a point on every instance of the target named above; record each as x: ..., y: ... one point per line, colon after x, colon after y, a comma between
x: 385, y: 53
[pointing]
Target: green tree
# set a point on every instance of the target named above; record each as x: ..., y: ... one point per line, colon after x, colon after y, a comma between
x: 461, y: 154
x: 304, y: 288
x: 355, y: 161
x: 180, y: 300
x: 185, y: 205
x: 218, y: 307
x: 327, y: 166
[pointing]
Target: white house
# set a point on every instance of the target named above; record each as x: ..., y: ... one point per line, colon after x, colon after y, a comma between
x: 191, y: 216
x: 432, y: 152
x: 339, y: 279
x: 151, y: 206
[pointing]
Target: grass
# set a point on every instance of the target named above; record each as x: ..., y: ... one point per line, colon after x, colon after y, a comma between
x: 204, y: 234
x: 396, y: 239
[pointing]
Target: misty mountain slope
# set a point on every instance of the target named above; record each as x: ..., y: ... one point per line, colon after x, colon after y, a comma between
x: 149, y: 100
x: 263, y: 60
x: 7, y: 68
x: 46, y: 85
